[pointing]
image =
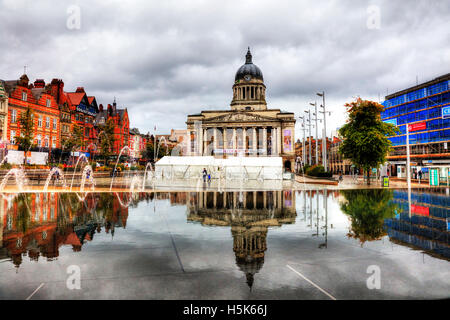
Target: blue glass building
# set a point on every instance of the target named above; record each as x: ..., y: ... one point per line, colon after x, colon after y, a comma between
x: 427, y: 228
x: 428, y: 102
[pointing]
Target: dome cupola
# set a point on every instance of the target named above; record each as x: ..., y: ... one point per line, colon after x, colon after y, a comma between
x: 249, y: 91
x: 248, y: 69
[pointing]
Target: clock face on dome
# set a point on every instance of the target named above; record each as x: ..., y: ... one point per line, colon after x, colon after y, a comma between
x: 248, y: 77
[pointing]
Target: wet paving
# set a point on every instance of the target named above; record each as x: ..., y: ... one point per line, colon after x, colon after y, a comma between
x: 284, y: 244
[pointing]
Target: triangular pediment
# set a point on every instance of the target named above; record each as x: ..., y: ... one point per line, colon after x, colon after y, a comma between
x: 240, y: 116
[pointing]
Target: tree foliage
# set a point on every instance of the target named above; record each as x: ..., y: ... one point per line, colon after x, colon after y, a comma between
x: 75, y: 139
x: 150, y: 152
x: 367, y: 210
x: 366, y: 141
x: 25, y: 140
x: 106, y: 137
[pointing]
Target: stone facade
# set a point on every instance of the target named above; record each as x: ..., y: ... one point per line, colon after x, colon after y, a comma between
x: 3, y: 112
x: 249, y: 129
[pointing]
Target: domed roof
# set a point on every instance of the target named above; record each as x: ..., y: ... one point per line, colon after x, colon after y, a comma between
x: 248, y: 69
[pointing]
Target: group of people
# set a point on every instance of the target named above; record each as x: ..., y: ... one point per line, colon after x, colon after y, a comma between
x: 206, y: 175
x: 417, y: 174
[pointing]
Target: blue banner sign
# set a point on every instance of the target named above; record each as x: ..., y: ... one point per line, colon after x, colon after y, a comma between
x: 445, y: 112
x: 391, y: 121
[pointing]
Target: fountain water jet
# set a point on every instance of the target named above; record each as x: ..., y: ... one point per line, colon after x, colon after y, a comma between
x: 50, y: 175
x: 19, y: 176
x: 145, y: 178
x: 117, y: 162
x: 86, y: 170
x: 82, y: 156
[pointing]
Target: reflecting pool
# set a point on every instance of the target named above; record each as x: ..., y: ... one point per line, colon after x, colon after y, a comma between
x: 289, y: 244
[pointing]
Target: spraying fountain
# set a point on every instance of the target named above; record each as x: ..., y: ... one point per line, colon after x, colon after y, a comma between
x: 117, y: 162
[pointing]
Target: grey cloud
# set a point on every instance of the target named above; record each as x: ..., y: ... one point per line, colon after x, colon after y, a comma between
x: 175, y: 58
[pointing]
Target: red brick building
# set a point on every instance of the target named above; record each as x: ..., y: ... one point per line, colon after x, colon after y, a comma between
x: 121, y: 125
x: 84, y: 109
x: 38, y: 97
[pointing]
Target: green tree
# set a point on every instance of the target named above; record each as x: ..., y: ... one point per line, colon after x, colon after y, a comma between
x: 75, y: 140
x: 25, y: 140
x: 149, y: 152
x: 367, y: 210
x: 106, y: 137
x: 365, y: 135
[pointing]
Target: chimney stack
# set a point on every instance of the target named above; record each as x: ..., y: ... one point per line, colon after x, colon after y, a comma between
x: 39, y: 83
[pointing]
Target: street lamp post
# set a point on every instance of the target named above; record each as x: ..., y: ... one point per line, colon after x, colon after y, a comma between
x: 303, y: 142
x: 309, y: 144
x: 317, y: 131
x: 324, y: 141
x: 408, y: 171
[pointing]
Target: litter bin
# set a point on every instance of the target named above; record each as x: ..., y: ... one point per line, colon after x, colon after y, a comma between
x: 385, y: 181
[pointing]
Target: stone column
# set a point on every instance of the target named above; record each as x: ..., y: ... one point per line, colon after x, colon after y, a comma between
x: 234, y: 141
x: 244, y: 140
x: 225, y: 142
x: 200, y: 141
x: 215, y: 141
x: 265, y: 141
x: 279, y: 142
x: 274, y: 141
x: 255, y: 143
x: 205, y: 142
x: 189, y: 142
x: 265, y: 199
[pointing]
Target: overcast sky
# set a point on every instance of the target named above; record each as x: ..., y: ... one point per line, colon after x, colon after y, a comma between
x: 166, y: 59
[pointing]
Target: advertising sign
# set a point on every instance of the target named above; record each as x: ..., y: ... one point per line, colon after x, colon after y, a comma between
x: 417, y: 126
x: 446, y: 112
x: 434, y: 177
x: 391, y: 121
x: 287, y: 140
x: 419, y: 210
x: 385, y: 181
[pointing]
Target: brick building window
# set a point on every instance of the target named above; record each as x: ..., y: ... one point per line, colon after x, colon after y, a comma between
x: 48, y: 102
x: 13, y: 116
x: 24, y: 96
x: 54, y: 123
x: 13, y: 135
x: 40, y: 121
x: 47, y: 122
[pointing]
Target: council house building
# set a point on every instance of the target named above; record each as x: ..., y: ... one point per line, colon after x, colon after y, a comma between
x: 249, y: 129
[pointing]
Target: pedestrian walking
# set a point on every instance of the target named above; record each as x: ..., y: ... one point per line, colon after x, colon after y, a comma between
x: 205, y: 173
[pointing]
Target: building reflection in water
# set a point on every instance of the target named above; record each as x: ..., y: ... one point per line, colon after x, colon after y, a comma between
x: 249, y: 214
x: 37, y: 225
x: 427, y: 228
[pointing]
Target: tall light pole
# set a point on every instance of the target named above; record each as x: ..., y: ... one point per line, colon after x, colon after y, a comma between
x: 317, y: 131
x: 408, y: 170
x: 303, y: 142
x: 324, y: 140
x: 309, y: 144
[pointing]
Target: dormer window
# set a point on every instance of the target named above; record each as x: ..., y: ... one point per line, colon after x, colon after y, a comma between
x: 48, y: 103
